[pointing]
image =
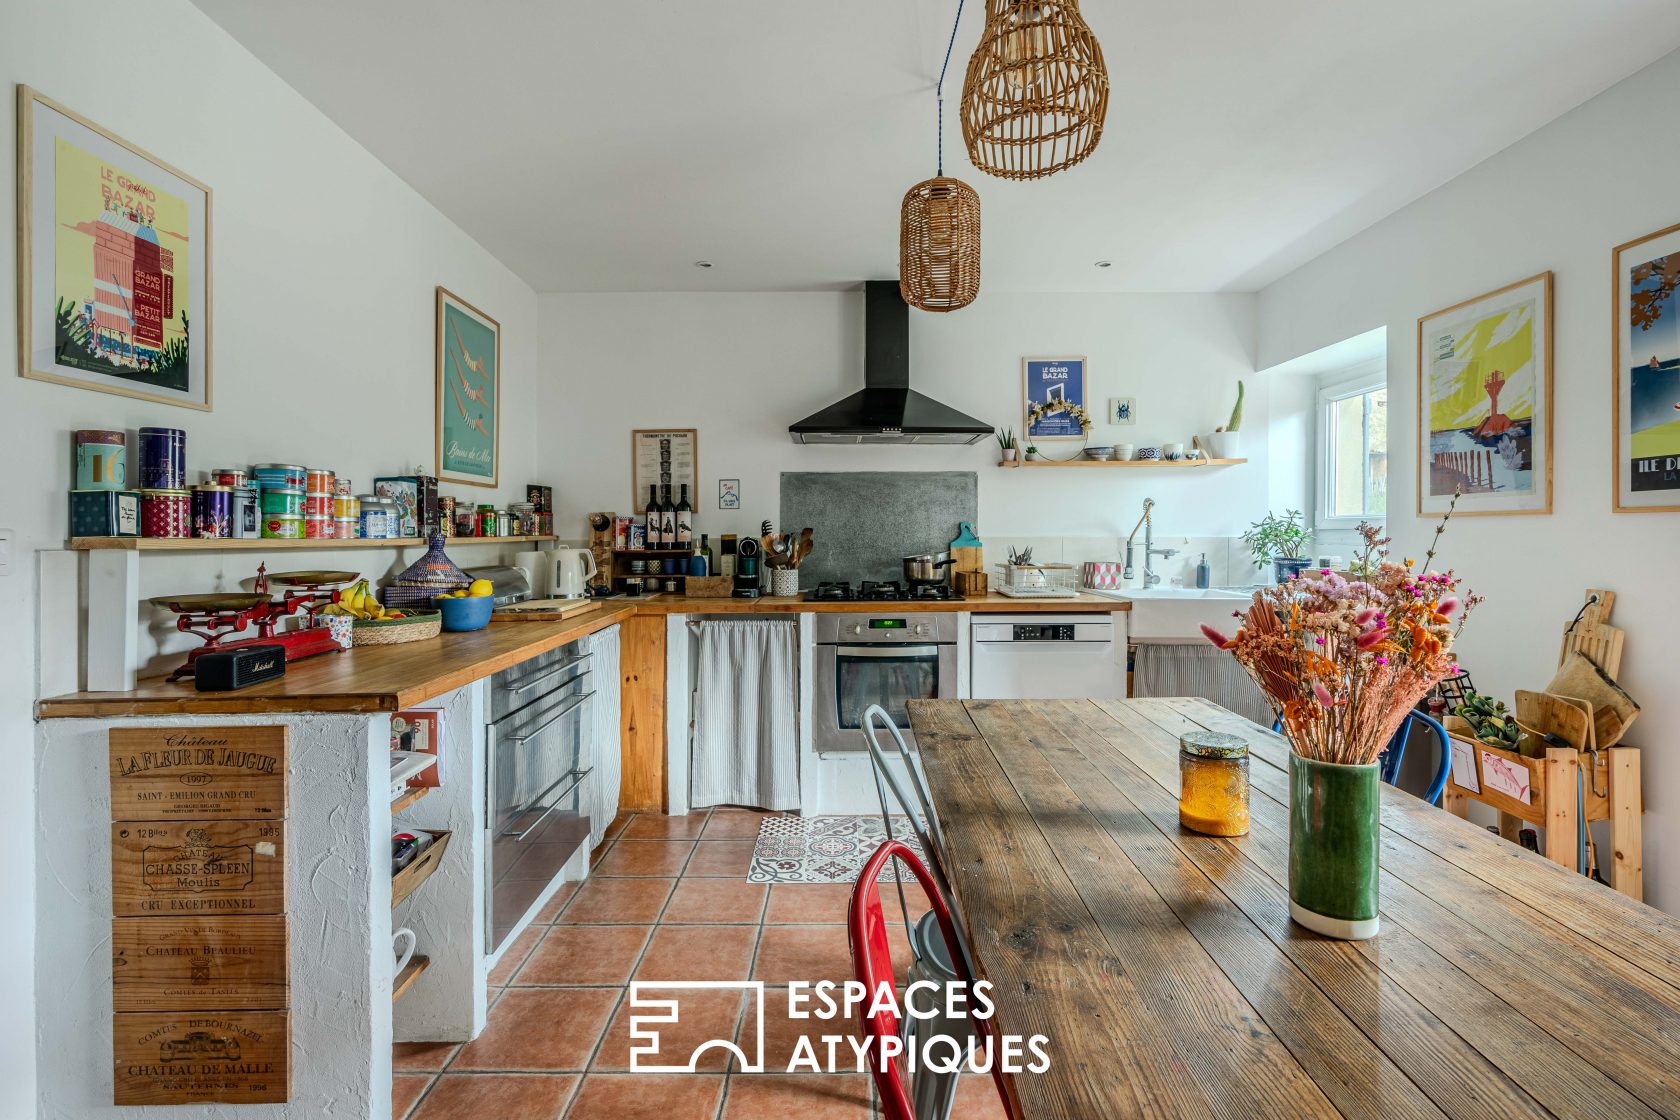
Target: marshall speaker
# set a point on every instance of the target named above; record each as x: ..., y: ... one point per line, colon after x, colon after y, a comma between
x: 238, y: 668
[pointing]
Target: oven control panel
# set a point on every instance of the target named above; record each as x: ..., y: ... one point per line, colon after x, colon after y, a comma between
x: 886, y: 628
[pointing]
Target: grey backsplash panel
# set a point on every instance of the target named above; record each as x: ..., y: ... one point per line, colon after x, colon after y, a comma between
x: 865, y: 522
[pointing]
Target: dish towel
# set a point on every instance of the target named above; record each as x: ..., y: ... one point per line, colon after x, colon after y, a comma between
x: 746, y: 725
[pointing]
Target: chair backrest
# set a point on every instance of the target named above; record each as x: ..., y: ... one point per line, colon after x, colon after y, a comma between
x: 1388, y: 763
x: 872, y: 965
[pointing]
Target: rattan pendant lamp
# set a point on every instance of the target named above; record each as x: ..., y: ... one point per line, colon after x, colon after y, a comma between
x: 939, y: 229
x: 1036, y: 91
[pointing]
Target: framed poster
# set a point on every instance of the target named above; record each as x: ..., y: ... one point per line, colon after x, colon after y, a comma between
x: 1646, y: 436
x: 1055, y: 393
x: 469, y: 392
x: 113, y: 262
x: 1485, y: 403
x: 663, y: 458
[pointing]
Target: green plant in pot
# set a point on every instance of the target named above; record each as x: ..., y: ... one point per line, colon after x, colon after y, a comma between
x: 1343, y: 663
x: 1280, y: 542
x: 1006, y: 444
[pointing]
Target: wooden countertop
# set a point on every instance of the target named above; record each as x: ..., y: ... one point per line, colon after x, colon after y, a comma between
x: 1164, y: 969
x: 390, y: 678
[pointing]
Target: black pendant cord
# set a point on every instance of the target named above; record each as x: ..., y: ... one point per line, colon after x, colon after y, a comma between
x: 939, y: 91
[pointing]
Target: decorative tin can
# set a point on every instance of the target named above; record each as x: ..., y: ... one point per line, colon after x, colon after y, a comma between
x: 212, y: 511
x: 101, y: 460
x: 346, y: 528
x: 345, y: 506
x: 104, y: 513
x: 316, y: 504
x: 282, y: 527
x: 380, y: 518
x: 163, y: 459
x: 279, y: 476
x: 504, y: 523
x: 486, y: 521
x: 229, y: 476
x: 245, y: 522
x: 317, y: 528
x: 319, y: 480
x: 287, y: 502
x: 446, y: 515
x: 165, y: 513
x: 343, y: 488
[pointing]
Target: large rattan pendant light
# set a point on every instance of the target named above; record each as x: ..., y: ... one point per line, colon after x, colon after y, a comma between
x: 939, y: 228
x: 1036, y: 90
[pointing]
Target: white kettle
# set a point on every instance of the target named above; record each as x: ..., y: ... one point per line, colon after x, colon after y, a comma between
x: 569, y: 572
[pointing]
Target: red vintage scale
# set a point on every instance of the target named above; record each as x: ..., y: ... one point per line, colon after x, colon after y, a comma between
x: 217, y: 616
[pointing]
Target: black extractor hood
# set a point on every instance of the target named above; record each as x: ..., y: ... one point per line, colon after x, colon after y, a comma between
x: 886, y: 409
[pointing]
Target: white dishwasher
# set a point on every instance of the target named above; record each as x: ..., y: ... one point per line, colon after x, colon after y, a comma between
x: 1048, y: 656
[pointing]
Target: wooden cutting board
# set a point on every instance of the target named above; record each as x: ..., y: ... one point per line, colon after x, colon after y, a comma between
x: 542, y: 610
x: 1569, y: 719
x: 966, y: 551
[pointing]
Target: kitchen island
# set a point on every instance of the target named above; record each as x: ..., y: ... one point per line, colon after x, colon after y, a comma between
x: 1164, y: 969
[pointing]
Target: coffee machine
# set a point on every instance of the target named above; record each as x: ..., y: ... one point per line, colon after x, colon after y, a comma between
x: 747, y: 568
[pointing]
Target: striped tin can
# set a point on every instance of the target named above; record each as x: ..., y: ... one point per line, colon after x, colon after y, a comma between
x: 319, y: 480
x: 279, y: 476
x: 235, y: 477
x: 317, y: 528
x: 165, y: 513
x: 282, y: 527
x: 346, y: 507
x: 163, y: 459
x: 245, y: 521
x: 446, y: 515
x: 212, y: 511
x: 316, y: 504
x: 101, y: 460
x: 286, y: 502
x: 346, y: 528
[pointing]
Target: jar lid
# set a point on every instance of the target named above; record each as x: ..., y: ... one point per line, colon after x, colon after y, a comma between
x: 1213, y: 744
x: 165, y: 493
x: 214, y: 486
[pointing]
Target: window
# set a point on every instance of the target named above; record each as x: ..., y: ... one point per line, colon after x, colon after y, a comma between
x: 1353, y: 447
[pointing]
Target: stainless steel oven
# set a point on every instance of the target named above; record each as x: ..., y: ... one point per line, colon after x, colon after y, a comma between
x: 537, y: 796
x: 881, y: 657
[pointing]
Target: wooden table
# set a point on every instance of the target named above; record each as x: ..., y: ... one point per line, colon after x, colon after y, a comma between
x: 1164, y: 969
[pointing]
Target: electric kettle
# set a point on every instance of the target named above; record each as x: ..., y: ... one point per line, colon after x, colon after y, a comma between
x: 569, y: 572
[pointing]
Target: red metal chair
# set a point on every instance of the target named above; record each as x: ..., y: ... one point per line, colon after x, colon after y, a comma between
x: 872, y: 964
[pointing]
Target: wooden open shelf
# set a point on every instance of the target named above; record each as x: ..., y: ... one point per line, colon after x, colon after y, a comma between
x: 410, y: 798
x: 270, y: 544
x: 408, y: 880
x: 410, y: 973
x: 1169, y: 464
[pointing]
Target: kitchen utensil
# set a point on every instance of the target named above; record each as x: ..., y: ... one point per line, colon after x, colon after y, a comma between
x: 217, y: 616
x: 784, y: 582
x: 966, y: 550
x: 542, y: 609
x: 803, y: 548
x: 928, y: 567
x: 214, y: 601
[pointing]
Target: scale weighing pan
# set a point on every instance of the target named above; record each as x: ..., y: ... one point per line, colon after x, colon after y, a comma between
x: 214, y: 601
x: 311, y: 579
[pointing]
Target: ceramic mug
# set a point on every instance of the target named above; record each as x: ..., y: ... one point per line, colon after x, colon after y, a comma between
x: 1172, y: 452
x: 1124, y: 452
x: 406, y: 937
x: 340, y: 626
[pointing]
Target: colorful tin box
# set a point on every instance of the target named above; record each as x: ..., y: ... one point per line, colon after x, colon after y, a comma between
x: 104, y: 513
x: 101, y: 460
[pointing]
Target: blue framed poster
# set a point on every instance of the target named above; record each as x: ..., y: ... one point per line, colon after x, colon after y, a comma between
x: 1055, y: 389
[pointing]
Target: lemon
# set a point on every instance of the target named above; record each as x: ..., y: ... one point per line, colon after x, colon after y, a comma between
x: 480, y: 588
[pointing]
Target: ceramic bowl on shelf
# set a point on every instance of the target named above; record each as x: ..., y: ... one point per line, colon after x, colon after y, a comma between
x: 1124, y: 452
x: 1149, y: 453
x: 1099, y: 454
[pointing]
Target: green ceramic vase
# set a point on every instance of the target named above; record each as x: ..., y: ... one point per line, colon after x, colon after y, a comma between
x: 1334, y: 840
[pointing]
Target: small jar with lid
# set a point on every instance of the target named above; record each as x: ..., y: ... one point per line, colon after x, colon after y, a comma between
x: 1213, y: 783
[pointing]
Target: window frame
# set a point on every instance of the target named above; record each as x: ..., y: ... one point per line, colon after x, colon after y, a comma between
x: 1362, y: 379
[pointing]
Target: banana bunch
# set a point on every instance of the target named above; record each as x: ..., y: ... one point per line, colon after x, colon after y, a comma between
x: 359, y: 601
x: 1490, y: 719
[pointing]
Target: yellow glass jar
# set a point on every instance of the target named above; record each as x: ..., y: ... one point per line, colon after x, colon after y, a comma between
x: 1213, y: 783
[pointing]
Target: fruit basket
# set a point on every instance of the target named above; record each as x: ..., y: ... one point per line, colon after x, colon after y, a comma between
x: 413, y: 626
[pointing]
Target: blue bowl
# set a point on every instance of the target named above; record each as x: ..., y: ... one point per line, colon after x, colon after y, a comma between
x: 465, y: 614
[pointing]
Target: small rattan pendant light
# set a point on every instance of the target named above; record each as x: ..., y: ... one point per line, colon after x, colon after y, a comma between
x: 1036, y: 91
x: 939, y: 229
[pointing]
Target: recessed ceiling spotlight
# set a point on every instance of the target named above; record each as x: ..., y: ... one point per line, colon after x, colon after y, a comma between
x: 1105, y: 264
x: 702, y: 264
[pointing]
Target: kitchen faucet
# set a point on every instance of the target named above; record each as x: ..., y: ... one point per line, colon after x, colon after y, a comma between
x: 1150, y: 576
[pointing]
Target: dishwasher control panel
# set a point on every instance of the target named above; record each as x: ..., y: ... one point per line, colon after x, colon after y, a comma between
x: 1042, y: 633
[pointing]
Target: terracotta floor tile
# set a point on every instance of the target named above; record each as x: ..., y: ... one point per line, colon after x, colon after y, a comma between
x: 733, y: 824
x: 422, y: 1057
x: 978, y: 1099
x: 584, y: 955
x: 618, y: 825
x: 540, y: 1029
x: 468, y: 1096
x: 731, y: 858
x: 727, y: 901
x: 643, y: 1096
x: 515, y: 955
x: 658, y: 826
x: 811, y: 953
x: 618, y: 902
x: 658, y: 858
x: 807, y: 903
x: 811, y: 1097
x: 782, y: 1033
x: 698, y: 953
x: 551, y: 909
x: 702, y: 1015
x: 405, y: 1090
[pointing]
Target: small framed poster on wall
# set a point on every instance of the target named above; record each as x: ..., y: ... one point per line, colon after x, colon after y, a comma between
x: 469, y: 392
x: 1055, y: 398
x: 1647, y: 373
x: 668, y: 457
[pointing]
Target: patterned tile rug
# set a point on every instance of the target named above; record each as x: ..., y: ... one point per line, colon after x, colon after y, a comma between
x: 794, y: 849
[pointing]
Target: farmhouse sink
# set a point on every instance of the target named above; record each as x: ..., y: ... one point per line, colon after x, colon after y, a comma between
x: 1177, y: 613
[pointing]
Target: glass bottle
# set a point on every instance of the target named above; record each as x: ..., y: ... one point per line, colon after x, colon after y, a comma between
x: 708, y: 565
x: 654, y: 539
x: 685, y: 521
x: 1213, y: 783
x: 667, y: 519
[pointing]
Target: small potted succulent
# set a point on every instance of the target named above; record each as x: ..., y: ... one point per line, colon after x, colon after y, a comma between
x: 1006, y: 444
x: 1280, y: 541
x: 1032, y: 454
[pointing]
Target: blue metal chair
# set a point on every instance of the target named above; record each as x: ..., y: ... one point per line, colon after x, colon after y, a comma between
x: 1388, y: 762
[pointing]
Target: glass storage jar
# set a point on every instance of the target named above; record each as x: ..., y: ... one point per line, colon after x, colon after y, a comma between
x: 1213, y: 783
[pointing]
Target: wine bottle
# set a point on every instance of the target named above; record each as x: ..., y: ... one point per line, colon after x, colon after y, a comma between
x: 707, y: 564
x: 655, y: 538
x: 667, y: 519
x: 685, y: 522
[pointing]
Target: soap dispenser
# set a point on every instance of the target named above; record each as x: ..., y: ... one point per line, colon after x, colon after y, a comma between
x: 1204, y: 574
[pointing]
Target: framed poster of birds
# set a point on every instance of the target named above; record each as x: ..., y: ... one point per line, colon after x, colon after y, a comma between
x: 469, y: 384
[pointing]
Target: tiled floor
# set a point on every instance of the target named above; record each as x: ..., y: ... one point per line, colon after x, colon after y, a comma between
x: 668, y: 899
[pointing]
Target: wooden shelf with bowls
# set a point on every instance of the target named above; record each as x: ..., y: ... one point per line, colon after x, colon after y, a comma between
x: 409, y: 974
x: 1170, y: 464
x: 273, y: 544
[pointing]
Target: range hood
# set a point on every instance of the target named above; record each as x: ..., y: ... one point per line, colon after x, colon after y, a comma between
x: 886, y: 409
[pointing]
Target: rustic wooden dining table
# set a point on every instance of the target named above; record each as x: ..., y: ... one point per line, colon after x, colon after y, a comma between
x: 1163, y: 968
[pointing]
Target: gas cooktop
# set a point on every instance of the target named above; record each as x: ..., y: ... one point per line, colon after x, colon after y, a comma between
x: 871, y: 591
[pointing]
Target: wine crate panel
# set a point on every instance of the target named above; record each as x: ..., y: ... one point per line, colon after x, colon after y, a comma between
x: 204, y: 868
x: 197, y: 773
x: 211, y: 1057
x: 199, y: 964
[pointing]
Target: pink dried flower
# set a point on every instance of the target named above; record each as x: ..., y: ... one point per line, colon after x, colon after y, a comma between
x: 1381, y: 660
x: 1365, y: 616
x: 1322, y: 695
x: 1368, y: 639
x: 1215, y: 636
x: 1446, y: 606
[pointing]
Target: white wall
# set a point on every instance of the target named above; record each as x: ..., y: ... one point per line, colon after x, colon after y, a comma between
x: 741, y: 367
x: 325, y: 264
x: 1558, y: 200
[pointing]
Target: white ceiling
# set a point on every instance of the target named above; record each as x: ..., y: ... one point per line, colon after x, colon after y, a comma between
x: 609, y: 145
